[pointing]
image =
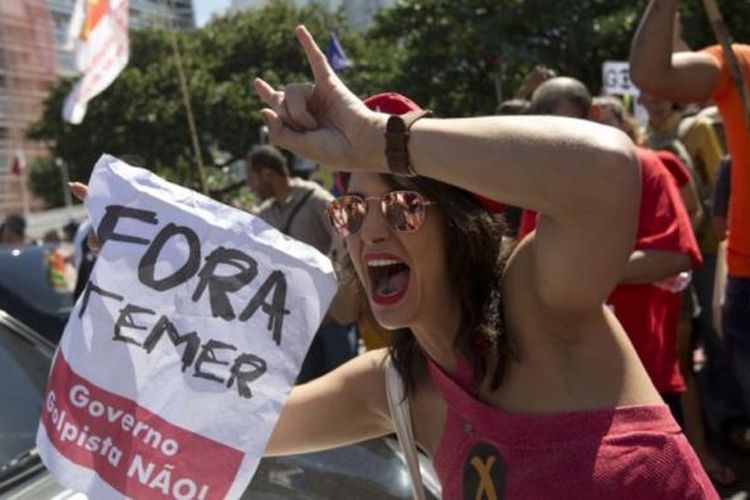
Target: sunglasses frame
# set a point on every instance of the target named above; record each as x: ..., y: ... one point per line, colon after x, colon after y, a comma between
x: 383, y: 209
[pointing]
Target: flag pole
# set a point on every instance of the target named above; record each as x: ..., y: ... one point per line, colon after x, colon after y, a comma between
x: 25, y: 194
x: 186, y: 103
x: 722, y: 34
x: 23, y: 178
x: 65, y: 179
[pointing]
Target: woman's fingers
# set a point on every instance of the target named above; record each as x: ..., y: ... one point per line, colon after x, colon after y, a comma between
x: 79, y: 190
x: 267, y: 93
x: 318, y: 62
x: 280, y: 134
x: 296, y: 100
x: 93, y: 242
x: 290, y: 105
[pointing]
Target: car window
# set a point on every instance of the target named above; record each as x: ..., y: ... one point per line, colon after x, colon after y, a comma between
x: 23, y: 376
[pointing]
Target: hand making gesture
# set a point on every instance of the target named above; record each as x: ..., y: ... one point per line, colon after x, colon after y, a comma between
x: 323, y: 120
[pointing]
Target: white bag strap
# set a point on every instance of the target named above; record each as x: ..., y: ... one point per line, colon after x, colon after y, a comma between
x: 399, y: 408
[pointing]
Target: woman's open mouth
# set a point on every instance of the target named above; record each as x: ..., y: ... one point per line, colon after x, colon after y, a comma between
x: 389, y: 279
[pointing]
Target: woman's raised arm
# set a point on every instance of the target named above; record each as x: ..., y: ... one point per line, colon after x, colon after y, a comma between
x: 582, y: 177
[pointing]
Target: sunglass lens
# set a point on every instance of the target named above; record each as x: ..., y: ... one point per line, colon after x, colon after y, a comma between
x: 404, y: 210
x: 346, y: 214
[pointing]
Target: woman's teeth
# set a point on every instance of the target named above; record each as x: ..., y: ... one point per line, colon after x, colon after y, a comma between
x: 382, y: 262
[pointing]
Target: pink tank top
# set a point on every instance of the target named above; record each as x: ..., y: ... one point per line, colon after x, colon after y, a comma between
x: 628, y: 452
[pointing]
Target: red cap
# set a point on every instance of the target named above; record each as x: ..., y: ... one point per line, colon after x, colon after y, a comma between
x: 391, y: 103
x: 396, y: 104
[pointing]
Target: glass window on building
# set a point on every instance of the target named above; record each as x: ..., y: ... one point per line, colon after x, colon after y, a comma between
x: 61, y: 21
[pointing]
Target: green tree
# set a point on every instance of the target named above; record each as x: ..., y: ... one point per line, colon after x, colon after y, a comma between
x: 142, y: 112
x: 45, y: 177
x: 445, y: 54
x: 698, y: 31
x: 450, y: 52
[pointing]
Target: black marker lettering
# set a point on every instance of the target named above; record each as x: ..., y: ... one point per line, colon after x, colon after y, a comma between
x: 125, y: 320
x: 275, y: 283
x: 208, y: 355
x: 113, y: 213
x: 164, y: 325
x: 258, y: 368
x: 220, y: 286
x: 147, y: 265
x: 91, y: 287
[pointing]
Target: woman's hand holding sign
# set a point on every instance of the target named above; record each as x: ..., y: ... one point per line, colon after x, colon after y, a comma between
x: 324, y: 120
x: 80, y: 191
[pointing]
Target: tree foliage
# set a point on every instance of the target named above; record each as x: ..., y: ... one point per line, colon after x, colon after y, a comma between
x: 142, y: 112
x: 451, y: 52
x: 446, y: 54
x: 45, y: 177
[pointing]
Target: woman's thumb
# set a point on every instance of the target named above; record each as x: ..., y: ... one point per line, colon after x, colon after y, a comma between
x: 279, y: 134
x: 78, y: 189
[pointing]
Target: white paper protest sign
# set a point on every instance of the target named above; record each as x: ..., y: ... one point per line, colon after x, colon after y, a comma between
x: 616, y: 78
x: 178, y: 357
x: 616, y: 81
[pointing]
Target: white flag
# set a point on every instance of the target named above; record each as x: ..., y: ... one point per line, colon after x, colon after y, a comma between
x: 75, y: 27
x: 102, y: 50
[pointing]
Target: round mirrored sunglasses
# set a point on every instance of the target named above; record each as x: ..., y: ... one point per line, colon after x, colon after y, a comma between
x: 404, y: 211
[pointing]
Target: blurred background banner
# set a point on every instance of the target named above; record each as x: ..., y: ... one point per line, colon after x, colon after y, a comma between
x: 102, y: 51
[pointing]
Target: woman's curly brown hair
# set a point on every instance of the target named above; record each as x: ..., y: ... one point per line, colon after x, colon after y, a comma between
x: 476, y: 260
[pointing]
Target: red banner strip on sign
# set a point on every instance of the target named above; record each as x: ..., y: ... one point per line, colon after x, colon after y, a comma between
x: 135, y: 451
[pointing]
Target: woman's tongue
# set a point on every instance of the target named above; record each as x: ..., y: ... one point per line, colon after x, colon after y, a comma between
x: 391, y: 280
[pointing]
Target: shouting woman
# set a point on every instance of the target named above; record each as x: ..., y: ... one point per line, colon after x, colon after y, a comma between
x: 520, y: 381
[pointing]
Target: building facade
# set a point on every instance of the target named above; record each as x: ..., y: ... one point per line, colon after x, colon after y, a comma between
x: 28, y: 67
x: 33, y: 55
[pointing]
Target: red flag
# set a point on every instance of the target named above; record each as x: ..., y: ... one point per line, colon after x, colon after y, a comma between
x: 19, y: 164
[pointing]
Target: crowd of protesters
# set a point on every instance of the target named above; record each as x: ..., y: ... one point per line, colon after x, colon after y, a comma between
x: 672, y: 299
x: 670, y: 296
x: 665, y: 297
x: 13, y: 232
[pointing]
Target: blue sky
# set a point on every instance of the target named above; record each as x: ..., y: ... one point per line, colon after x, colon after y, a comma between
x: 204, y: 9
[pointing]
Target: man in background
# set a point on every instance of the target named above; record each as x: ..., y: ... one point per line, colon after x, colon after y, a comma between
x: 298, y: 208
x: 689, y: 77
x: 13, y: 231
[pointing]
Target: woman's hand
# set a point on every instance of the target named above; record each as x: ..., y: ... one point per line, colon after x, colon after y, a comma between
x: 323, y: 121
x: 80, y: 191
